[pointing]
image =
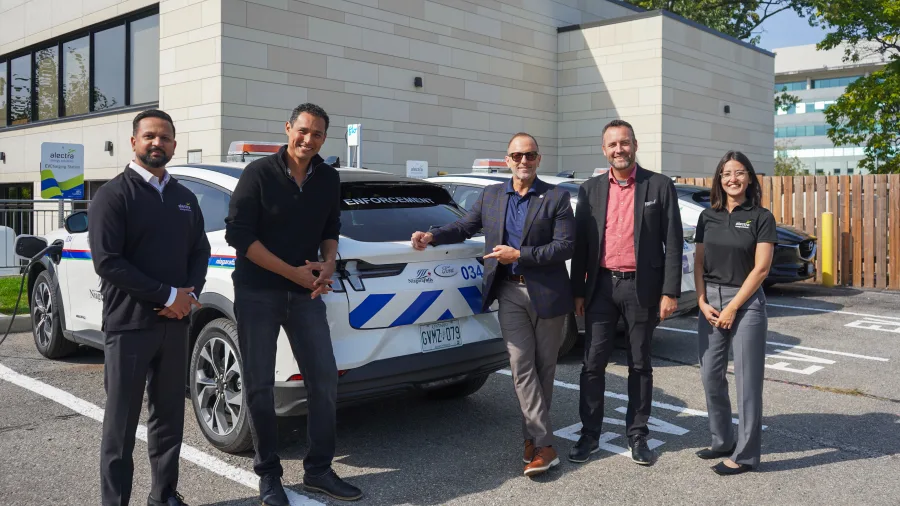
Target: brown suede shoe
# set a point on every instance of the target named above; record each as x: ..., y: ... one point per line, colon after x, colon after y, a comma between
x: 544, y: 459
x: 528, y: 456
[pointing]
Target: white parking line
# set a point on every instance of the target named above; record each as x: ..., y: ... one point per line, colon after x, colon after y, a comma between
x: 623, y: 397
x: 794, y: 346
x: 188, y: 453
x: 803, y: 308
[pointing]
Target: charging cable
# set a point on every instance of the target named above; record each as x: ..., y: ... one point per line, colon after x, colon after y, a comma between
x: 53, y: 249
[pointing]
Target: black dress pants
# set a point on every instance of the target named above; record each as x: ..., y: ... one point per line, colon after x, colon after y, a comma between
x: 615, y: 298
x: 154, y: 359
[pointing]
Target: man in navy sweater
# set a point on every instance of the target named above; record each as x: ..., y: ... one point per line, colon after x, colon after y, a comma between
x: 150, y: 250
x: 284, y: 211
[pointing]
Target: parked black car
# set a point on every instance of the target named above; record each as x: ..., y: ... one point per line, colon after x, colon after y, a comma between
x: 795, y: 252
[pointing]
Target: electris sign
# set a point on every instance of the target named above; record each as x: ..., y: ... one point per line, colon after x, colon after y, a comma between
x: 62, y: 171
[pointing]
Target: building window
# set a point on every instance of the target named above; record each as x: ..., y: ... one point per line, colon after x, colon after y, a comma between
x: 144, y: 59
x: 109, y: 68
x: 20, y: 90
x: 76, y: 79
x: 46, y: 74
x: 792, y: 86
x: 112, y: 65
x: 837, y: 82
x: 3, y: 94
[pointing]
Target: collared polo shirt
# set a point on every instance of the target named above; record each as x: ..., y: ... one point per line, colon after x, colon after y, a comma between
x: 516, y: 211
x: 729, y: 241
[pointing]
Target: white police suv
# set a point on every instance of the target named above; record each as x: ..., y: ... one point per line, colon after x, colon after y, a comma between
x: 401, y: 320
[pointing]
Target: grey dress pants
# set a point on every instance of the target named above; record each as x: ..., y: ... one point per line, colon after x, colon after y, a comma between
x: 748, y: 338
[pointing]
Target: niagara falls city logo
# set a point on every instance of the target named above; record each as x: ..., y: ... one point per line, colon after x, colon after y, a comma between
x: 743, y: 224
x: 422, y: 276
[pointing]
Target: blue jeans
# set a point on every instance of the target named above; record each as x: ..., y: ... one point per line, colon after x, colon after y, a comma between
x: 260, y: 314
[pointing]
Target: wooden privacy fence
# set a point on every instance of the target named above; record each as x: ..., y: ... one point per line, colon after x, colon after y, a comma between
x: 866, y: 221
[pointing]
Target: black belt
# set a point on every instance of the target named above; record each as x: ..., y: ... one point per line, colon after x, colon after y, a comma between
x: 515, y: 278
x: 621, y: 274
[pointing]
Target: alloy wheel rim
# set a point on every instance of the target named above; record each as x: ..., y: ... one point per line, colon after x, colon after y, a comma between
x: 218, y: 387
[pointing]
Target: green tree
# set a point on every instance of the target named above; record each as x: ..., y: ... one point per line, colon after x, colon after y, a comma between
x: 786, y: 164
x: 868, y: 113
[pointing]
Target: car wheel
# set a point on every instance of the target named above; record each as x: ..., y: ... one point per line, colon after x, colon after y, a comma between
x: 217, y: 390
x: 570, y: 335
x: 45, y: 322
x: 458, y: 390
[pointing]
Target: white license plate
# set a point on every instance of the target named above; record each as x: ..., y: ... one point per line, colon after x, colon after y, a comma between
x: 440, y: 335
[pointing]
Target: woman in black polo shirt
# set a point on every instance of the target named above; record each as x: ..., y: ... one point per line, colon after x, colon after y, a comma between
x: 735, y: 240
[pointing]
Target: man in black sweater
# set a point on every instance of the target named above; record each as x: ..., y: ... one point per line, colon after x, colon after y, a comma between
x: 150, y: 250
x: 284, y: 211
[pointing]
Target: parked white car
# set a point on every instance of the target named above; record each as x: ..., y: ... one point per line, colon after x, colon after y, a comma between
x: 401, y: 320
x: 467, y: 188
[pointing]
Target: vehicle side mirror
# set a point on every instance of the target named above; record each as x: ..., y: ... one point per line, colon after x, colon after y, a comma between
x: 77, y: 223
x: 28, y: 246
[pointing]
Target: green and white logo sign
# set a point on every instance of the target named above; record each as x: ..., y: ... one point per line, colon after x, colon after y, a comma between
x: 62, y: 171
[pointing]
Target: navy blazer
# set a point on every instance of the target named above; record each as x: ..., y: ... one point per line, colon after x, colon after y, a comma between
x: 548, y: 240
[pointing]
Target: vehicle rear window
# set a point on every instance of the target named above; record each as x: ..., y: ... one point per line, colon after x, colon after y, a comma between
x: 381, y: 212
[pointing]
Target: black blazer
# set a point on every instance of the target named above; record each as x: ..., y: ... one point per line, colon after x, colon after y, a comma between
x: 658, y: 237
x: 548, y: 240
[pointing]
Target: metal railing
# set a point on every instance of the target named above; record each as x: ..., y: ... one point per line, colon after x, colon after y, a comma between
x: 31, y: 217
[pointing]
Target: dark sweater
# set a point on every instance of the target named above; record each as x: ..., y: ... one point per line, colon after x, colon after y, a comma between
x: 269, y: 207
x: 143, y: 244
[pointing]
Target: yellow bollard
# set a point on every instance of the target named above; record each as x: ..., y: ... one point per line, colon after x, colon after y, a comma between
x: 827, y: 244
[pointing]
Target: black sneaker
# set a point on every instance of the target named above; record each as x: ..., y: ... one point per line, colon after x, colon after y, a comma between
x: 330, y: 484
x: 271, y: 491
x: 640, y: 452
x: 583, y: 449
x: 174, y: 500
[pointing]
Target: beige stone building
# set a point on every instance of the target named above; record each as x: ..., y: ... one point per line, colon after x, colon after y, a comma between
x: 229, y: 70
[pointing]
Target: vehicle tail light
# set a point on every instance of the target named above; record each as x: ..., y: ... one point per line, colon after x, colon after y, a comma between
x: 299, y: 377
x: 353, y: 272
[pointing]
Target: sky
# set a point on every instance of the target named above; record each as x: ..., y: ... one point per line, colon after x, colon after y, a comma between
x: 787, y: 29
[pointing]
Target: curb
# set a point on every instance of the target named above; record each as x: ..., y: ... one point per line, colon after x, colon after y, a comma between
x: 22, y: 323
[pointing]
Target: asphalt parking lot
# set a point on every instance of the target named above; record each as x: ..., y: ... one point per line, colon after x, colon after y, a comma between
x: 831, y: 411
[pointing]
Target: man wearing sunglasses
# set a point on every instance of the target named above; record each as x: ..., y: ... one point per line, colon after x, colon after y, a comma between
x: 529, y: 232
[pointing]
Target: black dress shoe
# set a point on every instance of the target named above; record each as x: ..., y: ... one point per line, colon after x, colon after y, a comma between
x: 722, y: 470
x: 709, y: 453
x: 271, y: 491
x: 583, y: 449
x: 174, y: 500
x: 330, y: 484
x: 640, y: 452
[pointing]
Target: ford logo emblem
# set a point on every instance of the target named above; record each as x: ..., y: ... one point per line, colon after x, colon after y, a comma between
x: 445, y: 271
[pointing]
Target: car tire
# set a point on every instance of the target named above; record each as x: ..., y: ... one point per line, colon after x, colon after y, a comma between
x: 464, y: 388
x: 216, y: 388
x: 46, y: 325
x: 570, y: 335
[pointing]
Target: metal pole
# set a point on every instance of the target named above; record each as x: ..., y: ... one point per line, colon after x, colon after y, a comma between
x: 828, y: 249
x: 62, y: 220
x: 359, y: 148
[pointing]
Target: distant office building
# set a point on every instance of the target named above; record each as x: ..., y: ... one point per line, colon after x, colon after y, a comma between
x: 818, y: 78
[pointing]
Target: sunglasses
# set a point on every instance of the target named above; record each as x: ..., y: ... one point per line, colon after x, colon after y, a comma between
x: 530, y: 156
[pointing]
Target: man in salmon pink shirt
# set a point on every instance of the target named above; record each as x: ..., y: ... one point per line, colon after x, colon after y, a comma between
x: 627, y: 264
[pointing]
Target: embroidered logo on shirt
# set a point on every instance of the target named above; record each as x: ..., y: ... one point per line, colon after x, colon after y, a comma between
x: 743, y: 224
x: 185, y: 207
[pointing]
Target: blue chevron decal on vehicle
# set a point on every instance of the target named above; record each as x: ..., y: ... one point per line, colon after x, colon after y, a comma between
x: 417, y: 308
x: 446, y: 316
x: 369, y: 308
x: 473, y: 297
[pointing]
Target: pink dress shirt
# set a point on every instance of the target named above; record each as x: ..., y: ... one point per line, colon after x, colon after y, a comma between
x: 618, y: 241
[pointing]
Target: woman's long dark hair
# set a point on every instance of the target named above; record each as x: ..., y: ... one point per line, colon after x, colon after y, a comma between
x: 717, y: 197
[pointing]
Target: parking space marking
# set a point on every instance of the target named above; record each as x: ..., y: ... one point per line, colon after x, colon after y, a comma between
x: 573, y: 432
x: 880, y: 323
x: 835, y: 311
x: 623, y: 397
x: 188, y: 453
